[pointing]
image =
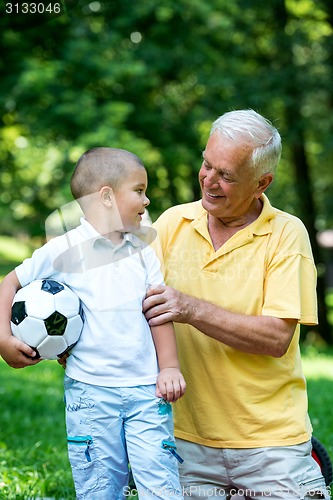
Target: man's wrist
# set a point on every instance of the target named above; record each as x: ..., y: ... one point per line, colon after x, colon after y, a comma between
x: 191, y: 308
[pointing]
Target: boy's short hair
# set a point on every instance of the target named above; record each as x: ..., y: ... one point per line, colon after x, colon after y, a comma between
x: 99, y: 167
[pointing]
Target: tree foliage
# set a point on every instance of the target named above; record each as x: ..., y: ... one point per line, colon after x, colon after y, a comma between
x: 151, y: 77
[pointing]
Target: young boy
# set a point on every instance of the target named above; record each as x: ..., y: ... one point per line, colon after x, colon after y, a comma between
x: 117, y: 393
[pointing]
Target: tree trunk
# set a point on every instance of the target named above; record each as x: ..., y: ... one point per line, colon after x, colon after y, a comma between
x: 306, y: 202
x: 296, y: 125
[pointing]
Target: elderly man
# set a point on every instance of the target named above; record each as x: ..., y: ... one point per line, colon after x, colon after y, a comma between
x: 241, y: 279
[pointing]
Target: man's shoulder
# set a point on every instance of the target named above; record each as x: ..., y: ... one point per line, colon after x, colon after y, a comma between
x: 280, y: 219
x: 288, y: 220
x: 290, y: 234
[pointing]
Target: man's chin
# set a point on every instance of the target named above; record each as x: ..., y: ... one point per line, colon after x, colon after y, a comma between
x: 211, y: 206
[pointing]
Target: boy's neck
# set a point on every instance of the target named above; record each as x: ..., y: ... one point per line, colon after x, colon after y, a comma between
x: 116, y: 237
x: 113, y: 233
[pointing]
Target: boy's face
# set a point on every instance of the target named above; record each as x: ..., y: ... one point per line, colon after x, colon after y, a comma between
x: 131, y: 199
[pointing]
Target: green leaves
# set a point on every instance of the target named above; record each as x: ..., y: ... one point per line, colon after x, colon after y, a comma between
x: 151, y: 77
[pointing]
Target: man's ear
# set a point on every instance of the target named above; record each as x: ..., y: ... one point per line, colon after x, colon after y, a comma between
x: 263, y: 183
x: 106, y: 196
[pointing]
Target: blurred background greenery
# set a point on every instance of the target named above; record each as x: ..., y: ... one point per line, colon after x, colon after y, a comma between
x: 151, y: 76
x: 33, y: 450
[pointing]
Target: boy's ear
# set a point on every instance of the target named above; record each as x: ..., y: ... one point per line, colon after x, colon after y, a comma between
x: 106, y: 195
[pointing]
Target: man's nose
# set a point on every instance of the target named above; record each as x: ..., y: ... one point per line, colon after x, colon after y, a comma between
x: 211, y: 178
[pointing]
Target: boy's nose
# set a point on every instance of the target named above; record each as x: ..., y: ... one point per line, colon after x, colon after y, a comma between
x: 146, y: 202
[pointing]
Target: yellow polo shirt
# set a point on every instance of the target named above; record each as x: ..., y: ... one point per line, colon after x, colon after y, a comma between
x: 234, y: 399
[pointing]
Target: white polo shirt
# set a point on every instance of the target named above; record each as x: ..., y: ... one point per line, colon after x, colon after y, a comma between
x: 116, y: 348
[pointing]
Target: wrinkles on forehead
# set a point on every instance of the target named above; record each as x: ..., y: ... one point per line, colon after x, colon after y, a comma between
x: 224, y: 154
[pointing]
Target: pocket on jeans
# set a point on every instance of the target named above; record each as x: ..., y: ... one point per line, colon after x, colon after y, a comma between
x: 81, y: 450
x: 87, y: 470
x: 169, y: 466
x: 172, y: 448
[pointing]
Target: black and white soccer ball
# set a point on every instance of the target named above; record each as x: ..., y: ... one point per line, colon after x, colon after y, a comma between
x: 47, y: 315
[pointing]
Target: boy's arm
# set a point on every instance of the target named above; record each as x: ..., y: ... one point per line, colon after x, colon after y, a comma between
x: 14, y: 351
x: 170, y: 383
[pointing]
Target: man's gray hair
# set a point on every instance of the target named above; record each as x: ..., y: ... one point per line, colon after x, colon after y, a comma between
x: 255, y: 130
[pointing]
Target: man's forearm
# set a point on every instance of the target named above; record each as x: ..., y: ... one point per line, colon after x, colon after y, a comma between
x: 265, y: 335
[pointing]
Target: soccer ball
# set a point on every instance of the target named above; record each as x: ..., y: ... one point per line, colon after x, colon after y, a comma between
x: 47, y: 315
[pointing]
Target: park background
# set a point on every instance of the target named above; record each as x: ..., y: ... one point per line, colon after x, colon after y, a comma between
x: 150, y: 76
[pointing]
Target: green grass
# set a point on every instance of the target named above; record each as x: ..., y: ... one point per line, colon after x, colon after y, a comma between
x: 318, y: 368
x: 329, y: 302
x: 12, y: 252
x: 33, y: 450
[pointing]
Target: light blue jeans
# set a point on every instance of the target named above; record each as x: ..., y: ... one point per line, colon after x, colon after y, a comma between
x: 108, y: 428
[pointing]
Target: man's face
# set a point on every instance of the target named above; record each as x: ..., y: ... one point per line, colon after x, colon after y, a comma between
x: 229, y: 185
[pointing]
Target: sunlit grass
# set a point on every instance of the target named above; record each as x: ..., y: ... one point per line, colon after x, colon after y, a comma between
x: 14, y: 249
x: 33, y: 450
x: 318, y: 369
x: 318, y: 365
x: 12, y: 252
x: 329, y: 302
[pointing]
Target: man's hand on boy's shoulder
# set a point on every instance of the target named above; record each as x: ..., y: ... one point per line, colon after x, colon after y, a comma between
x: 16, y: 353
